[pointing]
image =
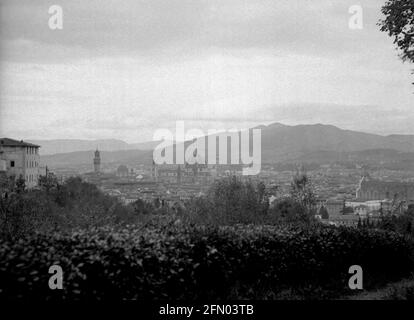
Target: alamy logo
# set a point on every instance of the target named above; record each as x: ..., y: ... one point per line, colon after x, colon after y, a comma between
x: 242, y: 152
x: 355, y: 281
x: 56, y: 280
x: 356, y: 20
x: 56, y: 19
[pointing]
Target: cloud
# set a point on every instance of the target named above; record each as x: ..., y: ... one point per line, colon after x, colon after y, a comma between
x: 367, y: 118
x: 124, y: 69
x: 176, y: 27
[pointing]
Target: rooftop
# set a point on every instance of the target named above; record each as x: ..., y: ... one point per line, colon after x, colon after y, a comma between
x: 16, y: 143
x: 122, y: 169
x: 345, y: 217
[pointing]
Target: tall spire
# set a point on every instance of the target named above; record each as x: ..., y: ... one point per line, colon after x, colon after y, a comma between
x: 97, y: 161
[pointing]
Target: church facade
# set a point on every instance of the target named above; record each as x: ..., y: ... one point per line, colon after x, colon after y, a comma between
x: 370, y: 189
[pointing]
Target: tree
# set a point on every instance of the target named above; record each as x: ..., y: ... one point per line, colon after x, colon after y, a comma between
x: 231, y: 200
x: 301, y: 191
x: 7, y: 185
x: 142, y: 207
x: 48, y: 182
x: 399, y: 24
x: 323, y: 213
x: 20, y: 185
x: 289, y: 211
x: 157, y: 203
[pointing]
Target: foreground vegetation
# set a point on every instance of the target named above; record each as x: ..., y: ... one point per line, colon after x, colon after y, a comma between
x: 229, y: 244
x: 178, y: 261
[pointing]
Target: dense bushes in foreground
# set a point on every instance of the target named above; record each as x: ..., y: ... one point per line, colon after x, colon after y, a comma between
x: 78, y: 204
x: 178, y: 261
x: 54, y: 206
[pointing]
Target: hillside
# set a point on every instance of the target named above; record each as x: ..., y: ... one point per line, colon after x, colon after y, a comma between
x: 72, y: 145
x: 77, y: 158
x: 280, y: 142
x: 306, y: 143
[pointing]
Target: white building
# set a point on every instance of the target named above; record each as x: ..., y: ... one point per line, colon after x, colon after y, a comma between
x: 20, y: 159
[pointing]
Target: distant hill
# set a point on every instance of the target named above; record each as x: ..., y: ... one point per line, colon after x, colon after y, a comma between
x: 280, y: 143
x: 72, y: 145
x: 150, y: 145
x: 79, y: 158
x: 384, y: 158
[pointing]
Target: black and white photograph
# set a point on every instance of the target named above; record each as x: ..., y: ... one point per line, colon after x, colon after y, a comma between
x: 206, y: 155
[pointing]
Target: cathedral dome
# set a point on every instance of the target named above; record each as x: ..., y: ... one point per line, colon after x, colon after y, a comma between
x: 122, y: 170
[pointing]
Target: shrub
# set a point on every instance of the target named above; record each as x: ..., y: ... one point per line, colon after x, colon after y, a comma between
x: 73, y: 204
x: 179, y: 261
x: 229, y: 201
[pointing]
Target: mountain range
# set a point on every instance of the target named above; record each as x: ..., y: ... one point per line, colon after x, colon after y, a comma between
x: 279, y: 143
x: 72, y: 145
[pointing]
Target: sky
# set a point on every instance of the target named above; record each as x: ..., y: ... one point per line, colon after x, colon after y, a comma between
x: 123, y: 69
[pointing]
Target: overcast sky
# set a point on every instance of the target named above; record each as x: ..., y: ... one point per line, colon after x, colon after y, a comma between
x: 122, y: 69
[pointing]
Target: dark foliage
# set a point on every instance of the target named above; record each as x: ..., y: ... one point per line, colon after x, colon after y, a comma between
x: 53, y: 206
x: 178, y: 261
x: 399, y: 24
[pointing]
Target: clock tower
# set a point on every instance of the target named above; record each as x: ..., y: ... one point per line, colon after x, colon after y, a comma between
x: 97, y: 162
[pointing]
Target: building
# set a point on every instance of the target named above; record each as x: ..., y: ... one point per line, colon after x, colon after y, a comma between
x: 345, y: 220
x: 122, y: 171
x: 20, y: 159
x: 361, y: 210
x: 370, y: 189
x: 97, y: 162
x: 386, y: 206
x: 183, y: 174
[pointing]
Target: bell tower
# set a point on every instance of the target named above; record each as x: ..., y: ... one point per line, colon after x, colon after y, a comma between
x: 97, y: 161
